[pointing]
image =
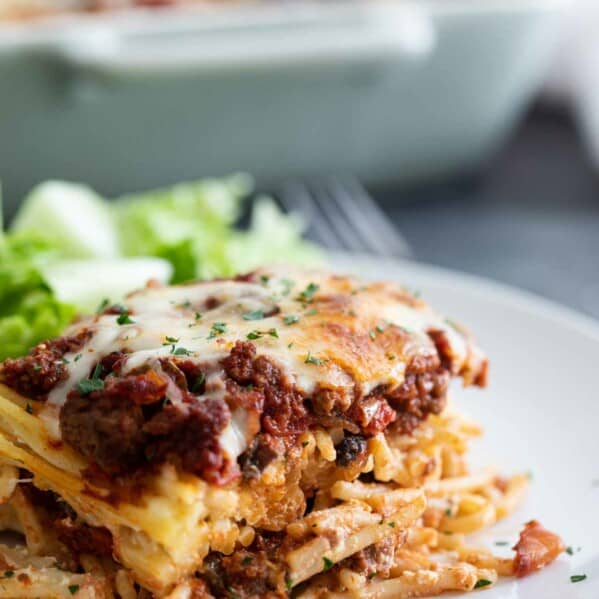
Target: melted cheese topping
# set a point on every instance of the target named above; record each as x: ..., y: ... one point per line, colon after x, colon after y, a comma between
x: 322, y: 330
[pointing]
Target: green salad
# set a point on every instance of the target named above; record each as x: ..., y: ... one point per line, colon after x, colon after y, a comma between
x: 68, y: 248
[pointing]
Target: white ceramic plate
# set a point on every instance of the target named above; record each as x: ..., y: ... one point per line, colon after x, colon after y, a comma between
x: 540, y: 412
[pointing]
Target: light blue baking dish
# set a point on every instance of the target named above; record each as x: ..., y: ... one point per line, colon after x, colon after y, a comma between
x: 390, y: 91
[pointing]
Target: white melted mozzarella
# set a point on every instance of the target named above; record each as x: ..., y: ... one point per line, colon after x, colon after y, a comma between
x: 201, y: 322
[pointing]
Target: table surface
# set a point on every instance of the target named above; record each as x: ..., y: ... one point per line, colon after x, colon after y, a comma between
x: 531, y: 219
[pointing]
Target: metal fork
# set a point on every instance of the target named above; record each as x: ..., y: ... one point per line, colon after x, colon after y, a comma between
x: 341, y: 215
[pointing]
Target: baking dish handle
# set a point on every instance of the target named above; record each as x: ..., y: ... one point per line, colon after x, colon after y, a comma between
x: 378, y: 31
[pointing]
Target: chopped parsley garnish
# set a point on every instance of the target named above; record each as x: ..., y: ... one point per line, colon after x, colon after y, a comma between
x: 578, y: 577
x: 390, y: 357
x: 380, y: 328
x: 37, y: 367
x: 327, y: 564
x: 264, y: 279
x: 312, y: 312
x: 170, y: 340
x: 391, y: 524
x: 218, y: 328
x: 289, y: 584
x: 291, y: 319
x: 307, y: 295
x: 448, y: 512
x: 185, y: 304
x: 569, y: 550
x: 28, y: 408
x: 312, y: 360
x: 352, y: 313
x: 87, y: 386
x: 232, y: 593
x: 9, y: 573
x: 502, y: 543
x: 73, y: 588
x: 372, y: 335
x: 198, y: 315
x: 482, y: 582
x: 252, y: 335
x: 123, y: 317
x: 103, y: 305
x: 77, y: 357
x: 290, y: 345
x: 247, y: 560
x: 198, y: 382
x: 180, y: 351
x: 254, y: 315
x: 305, y: 443
x: 371, y: 575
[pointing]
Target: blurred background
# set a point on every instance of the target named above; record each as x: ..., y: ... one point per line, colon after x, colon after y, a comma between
x: 463, y: 133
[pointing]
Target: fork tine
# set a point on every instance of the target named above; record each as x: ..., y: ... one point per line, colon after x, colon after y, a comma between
x: 295, y: 197
x: 337, y: 220
x: 372, y: 223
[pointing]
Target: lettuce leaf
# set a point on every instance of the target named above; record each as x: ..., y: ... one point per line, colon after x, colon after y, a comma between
x: 29, y: 312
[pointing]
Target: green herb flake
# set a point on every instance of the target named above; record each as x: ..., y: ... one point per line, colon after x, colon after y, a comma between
x: 290, y: 345
x: 63, y: 360
x: 218, y: 328
x: 28, y: 408
x: 181, y: 351
x: 252, y: 335
x: 37, y: 367
x: 73, y: 588
x: 264, y: 279
x: 232, y: 593
x: 9, y: 573
x: 198, y: 315
x: 327, y: 564
x: 103, y: 305
x: 501, y: 543
x: 312, y: 312
x: 289, y: 584
x: 307, y: 295
x: 352, y: 313
x: 390, y: 357
x: 380, y: 328
x: 482, y: 582
x: 255, y: 315
x: 77, y: 357
x: 198, y: 382
x: 448, y: 512
x: 372, y: 335
x: 371, y: 575
x: 291, y: 319
x: 305, y: 443
x: 312, y: 360
x: 170, y: 340
x: 578, y: 577
x: 247, y: 560
x: 273, y: 333
x: 87, y: 386
x: 391, y: 524
x: 124, y: 318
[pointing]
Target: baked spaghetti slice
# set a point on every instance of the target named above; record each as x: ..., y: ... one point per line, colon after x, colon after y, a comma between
x: 281, y: 432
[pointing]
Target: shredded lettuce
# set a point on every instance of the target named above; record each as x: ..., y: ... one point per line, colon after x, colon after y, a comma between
x: 29, y: 311
x: 191, y: 226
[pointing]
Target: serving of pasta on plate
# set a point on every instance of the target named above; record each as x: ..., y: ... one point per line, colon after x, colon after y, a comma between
x: 285, y: 433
